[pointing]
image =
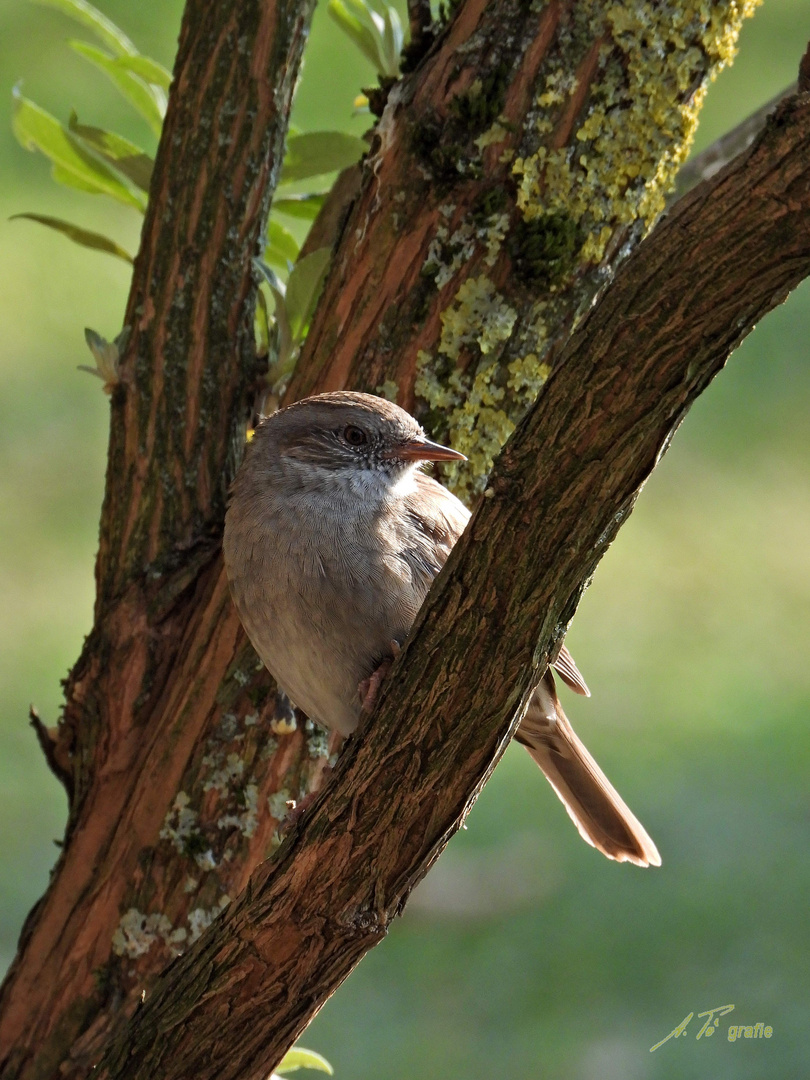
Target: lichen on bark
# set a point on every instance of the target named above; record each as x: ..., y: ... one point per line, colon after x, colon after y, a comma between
x: 613, y: 113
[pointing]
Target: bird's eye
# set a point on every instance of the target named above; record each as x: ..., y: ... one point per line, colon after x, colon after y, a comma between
x: 355, y: 436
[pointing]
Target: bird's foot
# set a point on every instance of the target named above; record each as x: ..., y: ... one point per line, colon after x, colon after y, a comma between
x: 369, y: 688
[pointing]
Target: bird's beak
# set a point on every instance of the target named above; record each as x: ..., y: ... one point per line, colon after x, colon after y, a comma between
x: 425, y: 450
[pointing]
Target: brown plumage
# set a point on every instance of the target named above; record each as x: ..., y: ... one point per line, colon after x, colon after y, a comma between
x: 332, y: 540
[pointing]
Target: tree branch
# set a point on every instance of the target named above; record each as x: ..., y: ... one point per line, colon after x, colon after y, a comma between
x: 568, y: 478
x: 169, y: 729
x: 49, y: 745
x: 177, y: 426
x: 167, y: 690
x: 510, y: 175
x: 704, y: 165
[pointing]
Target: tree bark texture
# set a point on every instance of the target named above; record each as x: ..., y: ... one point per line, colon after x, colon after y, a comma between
x: 508, y: 177
x: 181, y: 757
x: 166, y: 705
x: 560, y: 490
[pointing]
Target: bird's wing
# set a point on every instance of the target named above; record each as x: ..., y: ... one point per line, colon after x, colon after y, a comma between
x: 438, y: 518
x: 434, y: 519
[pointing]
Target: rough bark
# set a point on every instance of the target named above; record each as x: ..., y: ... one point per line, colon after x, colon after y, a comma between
x: 166, y: 702
x: 507, y: 179
x: 558, y: 494
x: 179, y: 768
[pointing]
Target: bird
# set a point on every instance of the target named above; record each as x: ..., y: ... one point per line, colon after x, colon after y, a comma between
x: 333, y: 535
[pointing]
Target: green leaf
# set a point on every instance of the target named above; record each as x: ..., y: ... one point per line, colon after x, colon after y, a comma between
x: 298, y: 1058
x: 261, y: 324
x: 271, y: 278
x: 149, y: 70
x: 281, y: 247
x: 149, y: 101
x: 392, y: 42
x: 73, y: 164
x: 286, y: 357
x: 378, y: 36
x: 78, y: 235
x: 69, y: 179
x: 106, y: 30
x: 366, y: 40
x: 107, y: 355
x: 125, y: 156
x: 303, y: 207
x: 319, y: 152
x: 304, y: 288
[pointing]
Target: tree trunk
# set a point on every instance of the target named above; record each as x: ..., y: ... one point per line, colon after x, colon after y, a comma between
x: 565, y: 482
x: 166, y: 736
x: 508, y: 178
x: 450, y: 286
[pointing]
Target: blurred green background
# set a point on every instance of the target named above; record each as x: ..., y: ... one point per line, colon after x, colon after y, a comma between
x: 525, y: 953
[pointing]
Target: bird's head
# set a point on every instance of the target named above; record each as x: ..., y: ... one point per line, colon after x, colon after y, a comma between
x: 346, y: 437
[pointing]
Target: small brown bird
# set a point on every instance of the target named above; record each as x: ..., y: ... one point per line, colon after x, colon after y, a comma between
x: 332, y: 539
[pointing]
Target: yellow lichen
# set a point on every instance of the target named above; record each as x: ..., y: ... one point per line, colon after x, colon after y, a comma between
x: 527, y: 375
x: 388, y: 389
x: 640, y: 121
x: 497, y: 133
x: 493, y: 235
x: 559, y: 85
x: 632, y: 135
x: 449, y: 252
x: 477, y: 315
x: 483, y: 409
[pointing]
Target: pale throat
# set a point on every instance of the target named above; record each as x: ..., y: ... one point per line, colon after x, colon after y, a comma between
x: 349, y: 492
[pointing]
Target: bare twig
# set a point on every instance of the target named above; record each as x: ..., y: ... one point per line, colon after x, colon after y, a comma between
x: 708, y: 162
x: 49, y: 744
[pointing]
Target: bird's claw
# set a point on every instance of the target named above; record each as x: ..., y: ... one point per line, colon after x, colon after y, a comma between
x: 369, y: 688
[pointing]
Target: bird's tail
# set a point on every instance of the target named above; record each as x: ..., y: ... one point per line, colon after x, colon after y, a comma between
x: 593, y: 804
